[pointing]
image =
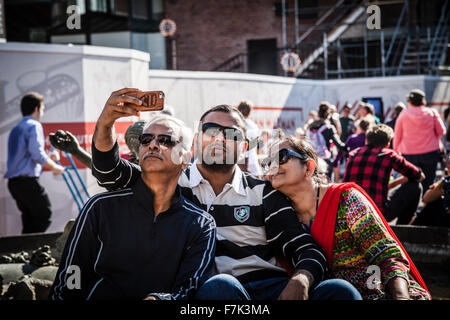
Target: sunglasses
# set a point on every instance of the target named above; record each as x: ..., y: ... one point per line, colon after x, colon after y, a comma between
x: 214, y: 129
x: 280, y: 158
x: 163, y: 139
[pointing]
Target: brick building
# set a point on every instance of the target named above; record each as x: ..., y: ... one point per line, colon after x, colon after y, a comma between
x: 330, y: 36
x: 209, y: 32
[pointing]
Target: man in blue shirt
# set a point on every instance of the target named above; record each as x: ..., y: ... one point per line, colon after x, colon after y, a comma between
x: 26, y: 159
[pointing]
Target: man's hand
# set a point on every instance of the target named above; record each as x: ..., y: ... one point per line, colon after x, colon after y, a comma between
x: 298, y: 287
x: 396, y: 182
x: 422, y: 177
x: 120, y: 104
x: 398, y: 288
x: 64, y: 141
x: 58, y: 170
x: 151, y: 298
x: 54, y: 155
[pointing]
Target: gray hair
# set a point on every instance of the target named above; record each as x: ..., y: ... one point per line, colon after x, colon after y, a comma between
x: 186, y: 134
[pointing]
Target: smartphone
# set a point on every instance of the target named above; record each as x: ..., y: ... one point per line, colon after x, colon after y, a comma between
x: 151, y: 100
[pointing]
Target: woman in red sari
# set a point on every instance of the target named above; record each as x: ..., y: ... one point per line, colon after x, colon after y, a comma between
x: 360, y: 246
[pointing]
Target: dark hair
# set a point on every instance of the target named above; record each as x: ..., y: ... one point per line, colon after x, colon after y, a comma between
x: 226, y: 109
x: 304, y: 148
x: 416, y: 101
x: 364, y: 124
x: 446, y: 112
x: 347, y: 106
x: 399, y: 108
x: 29, y: 102
x: 245, y: 107
x: 379, y: 136
x: 324, y: 110
x: 369, y: 108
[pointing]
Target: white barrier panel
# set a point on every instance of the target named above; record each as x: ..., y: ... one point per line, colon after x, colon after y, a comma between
x: 75, y: 82
x: 285, y: 102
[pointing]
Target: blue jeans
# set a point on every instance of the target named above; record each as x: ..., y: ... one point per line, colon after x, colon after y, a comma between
x: 227, y: 287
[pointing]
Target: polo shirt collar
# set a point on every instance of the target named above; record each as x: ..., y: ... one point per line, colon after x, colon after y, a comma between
x: 195, y: 178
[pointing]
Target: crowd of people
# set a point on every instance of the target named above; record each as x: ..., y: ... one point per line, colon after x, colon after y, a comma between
x: 233, y: 212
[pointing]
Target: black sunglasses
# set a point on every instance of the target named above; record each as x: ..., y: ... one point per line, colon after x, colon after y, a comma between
x: 213, y: 129
x: 280, y: 158
x: 163, y: 139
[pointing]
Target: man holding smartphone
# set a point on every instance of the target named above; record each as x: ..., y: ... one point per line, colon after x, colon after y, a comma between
x: 255, y: 223
x: 143, y: 242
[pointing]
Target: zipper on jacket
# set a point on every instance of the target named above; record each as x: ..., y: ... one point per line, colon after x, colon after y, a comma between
x: 154, y: 227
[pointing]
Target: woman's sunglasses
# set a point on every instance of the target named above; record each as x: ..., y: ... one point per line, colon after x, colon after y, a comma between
x: 163, y: 139
x: 214, y: 129
x: 280, y: 158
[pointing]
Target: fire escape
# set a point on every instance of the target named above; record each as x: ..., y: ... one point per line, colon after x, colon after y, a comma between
x: 328, y: 51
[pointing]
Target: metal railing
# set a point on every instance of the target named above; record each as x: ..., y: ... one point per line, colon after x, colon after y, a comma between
x: 441, y: 32
x: 398, y: 50
x: 396, y: 32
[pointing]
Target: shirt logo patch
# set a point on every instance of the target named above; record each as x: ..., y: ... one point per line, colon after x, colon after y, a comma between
x: 242, y: 213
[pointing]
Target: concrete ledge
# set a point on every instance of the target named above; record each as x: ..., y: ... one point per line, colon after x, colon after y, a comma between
x: 27, y: 242
x: 69, y: 49
x: 422, y: 235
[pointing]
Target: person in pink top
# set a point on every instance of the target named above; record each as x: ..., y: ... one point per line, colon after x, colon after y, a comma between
x: 417, y: 133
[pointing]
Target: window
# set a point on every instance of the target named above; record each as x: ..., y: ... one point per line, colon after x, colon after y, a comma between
x: 98, y: 5
x: 157, y: 9
x: 120, y: 7
x: 140, y: 9
x: 80, y: 4
x: 278, y: 8
x: 262, y: 56
x: 307, y: 9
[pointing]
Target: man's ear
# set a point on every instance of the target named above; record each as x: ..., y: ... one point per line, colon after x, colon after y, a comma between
x: 194, y: 143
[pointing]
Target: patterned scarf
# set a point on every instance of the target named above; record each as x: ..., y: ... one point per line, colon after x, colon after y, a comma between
x: 322, y: 229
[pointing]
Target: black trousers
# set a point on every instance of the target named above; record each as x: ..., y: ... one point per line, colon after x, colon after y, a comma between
x: 433, y: 215
x: 428, y: 163
x: 403, y: 201
x: 33, y: 202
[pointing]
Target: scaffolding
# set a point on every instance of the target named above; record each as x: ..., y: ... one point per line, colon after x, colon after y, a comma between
x: 327, y: 52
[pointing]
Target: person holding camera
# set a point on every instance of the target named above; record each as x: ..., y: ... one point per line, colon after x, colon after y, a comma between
x: 146, y: 241
x: 255, y: 223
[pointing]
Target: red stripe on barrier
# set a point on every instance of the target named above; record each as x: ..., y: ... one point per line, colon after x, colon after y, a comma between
x: 83, y: 131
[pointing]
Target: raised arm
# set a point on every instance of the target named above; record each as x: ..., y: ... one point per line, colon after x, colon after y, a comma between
x: 111, y: 171
x: 117, y: 106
